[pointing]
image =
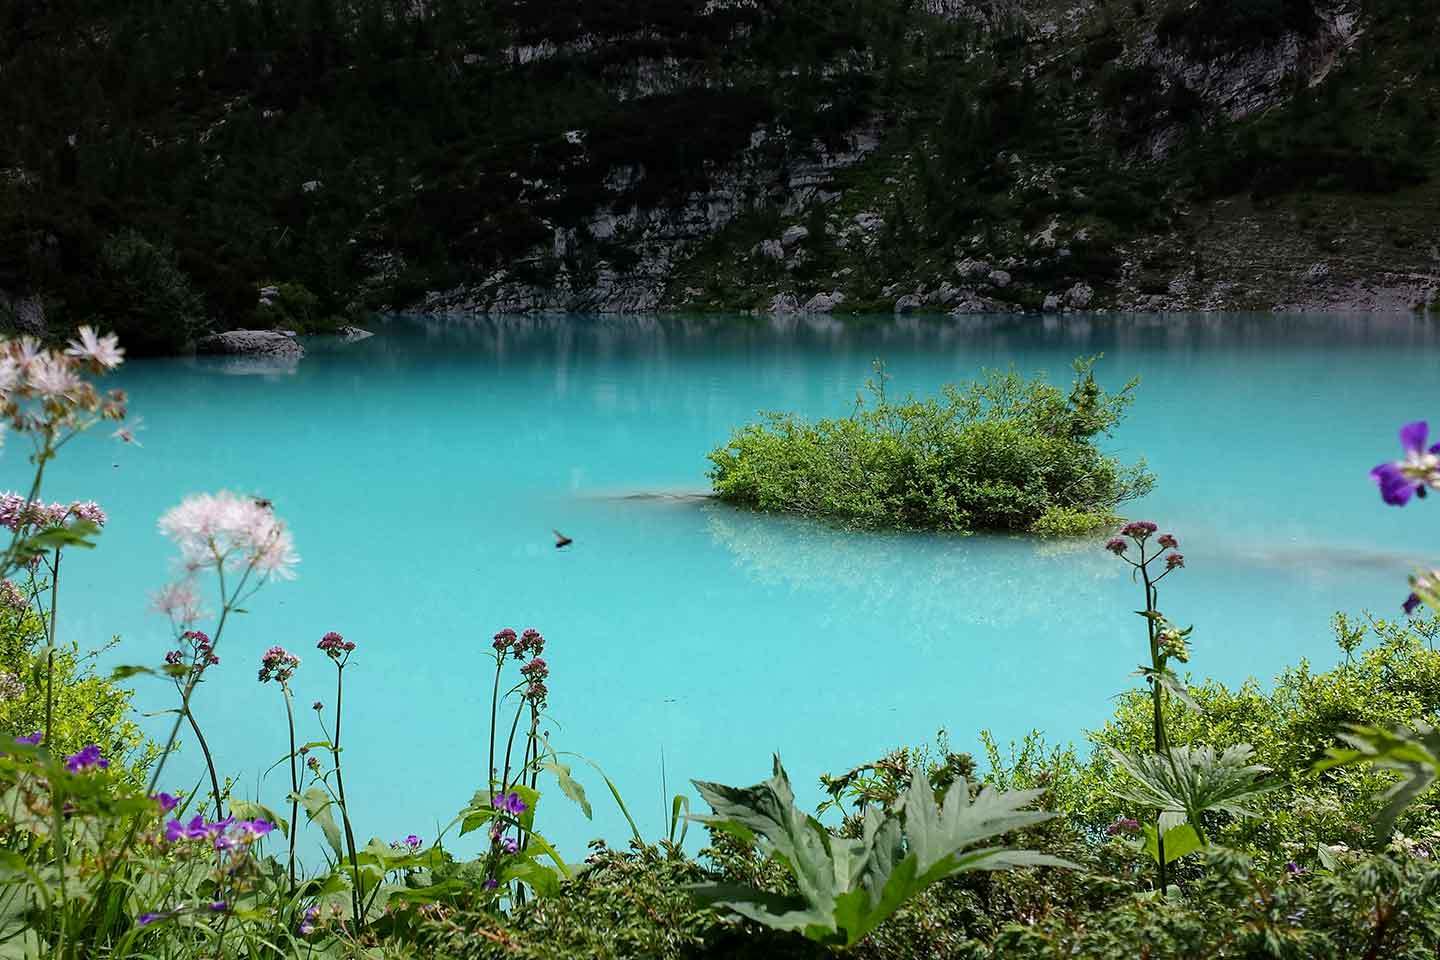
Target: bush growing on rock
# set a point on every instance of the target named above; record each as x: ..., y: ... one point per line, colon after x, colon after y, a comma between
x: 1003, y: 453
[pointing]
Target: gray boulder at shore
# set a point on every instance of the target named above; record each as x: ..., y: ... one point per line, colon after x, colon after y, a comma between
x: 263, y: 343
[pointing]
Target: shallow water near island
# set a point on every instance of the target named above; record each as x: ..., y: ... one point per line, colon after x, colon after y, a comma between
x: 422, y: 471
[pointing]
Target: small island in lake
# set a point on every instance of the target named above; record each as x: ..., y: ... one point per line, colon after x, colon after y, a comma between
x: 1002, y: 453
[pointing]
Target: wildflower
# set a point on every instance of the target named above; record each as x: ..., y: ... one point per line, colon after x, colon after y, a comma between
x: 166, y: 801
x: 1174, y: 560
x: 503, y: 640
x: 1123, y: 825
x: 32, y: 740
x: 255, y: 829
x: 179, y: 601
x: 1116, y: 546
x: 530, y: 643
x: 317, y: 706
x: 145, y: 919
x: 1417, y: 470
x: 1425, y: 588
x: 1294, y: 869
x: 52, y: 377
x: 89, y: 511
x: 535, y: 670
x: 509, y: 845
x: 1139, y: 530
x: 102, y: 353
x: 491, y: 883
x: 335, y: 645
x: 509, y: 803
x: 413, y: 842
x: 232, y: 531
x: 87, y: 759
x: 313, y: 763
x: 537, y: 692
x: 218, y: 906
x: 1168, y: 541
x: 307, y: 921
x: 278, y: 664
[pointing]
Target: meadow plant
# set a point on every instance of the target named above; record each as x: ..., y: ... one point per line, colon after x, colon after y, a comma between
x: 279, y: 665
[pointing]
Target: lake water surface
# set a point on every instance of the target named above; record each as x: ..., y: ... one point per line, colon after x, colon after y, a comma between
x: 423, y: 469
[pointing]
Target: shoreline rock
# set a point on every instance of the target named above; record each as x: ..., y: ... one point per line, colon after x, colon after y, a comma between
x: 254, y: 343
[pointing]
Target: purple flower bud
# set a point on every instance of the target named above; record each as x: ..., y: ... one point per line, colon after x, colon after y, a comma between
x: 1168, y: 541
x: 167, y: 802
x: 1174, y: 560
x: 1116, y: 546
x: 32, y: 740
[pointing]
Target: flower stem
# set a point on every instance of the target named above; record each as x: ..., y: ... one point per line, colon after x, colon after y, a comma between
x: 209, y: 764
x: 340, y: 792
x: 294, y: 782
x: 1157, y: 695
x: 494, y: 706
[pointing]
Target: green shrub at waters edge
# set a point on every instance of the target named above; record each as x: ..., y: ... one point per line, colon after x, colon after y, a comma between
x: 1004, y: 453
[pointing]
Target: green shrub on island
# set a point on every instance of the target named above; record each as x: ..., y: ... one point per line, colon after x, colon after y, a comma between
x: 1003, y: 453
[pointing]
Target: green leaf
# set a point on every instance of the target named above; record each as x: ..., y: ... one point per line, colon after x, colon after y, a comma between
x: 847, y: 887
x: 1412, y: 752
x: 1176, y: 686
x: 679, y: 817
x: 1190, y: 781
x: 1180, y: 841
x: 540, y: 878
x: 569, y: 786
x: 249, y: 810
x: 317, y: 805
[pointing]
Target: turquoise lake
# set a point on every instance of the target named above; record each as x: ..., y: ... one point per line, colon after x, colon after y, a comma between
x: 422, y: 471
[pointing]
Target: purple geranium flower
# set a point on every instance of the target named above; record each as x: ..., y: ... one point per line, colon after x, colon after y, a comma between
x: 145, y: 919
x: 1410, y: 476
x: 510, y: 803
x: 1411, y: 602
x: 166, y: 801
x: 32, y: 740
x: 87, y: 759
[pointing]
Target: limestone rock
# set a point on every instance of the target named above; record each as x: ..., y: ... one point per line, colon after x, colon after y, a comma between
x: 1052, y: 303
x: 1000, y: 278
x: 262, y: 343
x: 793, y: 235
x: 824, y: 302
x: 1079, y: 296
x: 908, y: 304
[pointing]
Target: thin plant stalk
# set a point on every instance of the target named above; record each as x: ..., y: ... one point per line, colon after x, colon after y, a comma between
x: 294, y: 781
x: 209, y: 763
x: 340, y: 793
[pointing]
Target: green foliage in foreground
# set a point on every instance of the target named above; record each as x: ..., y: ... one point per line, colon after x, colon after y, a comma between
x: 850, y: 885
x: 1002, y: 453
x: 87, y: 708
x: 1305, y: 875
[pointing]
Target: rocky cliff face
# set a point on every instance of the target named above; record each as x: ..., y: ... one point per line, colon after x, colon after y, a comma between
x: 785, y: 156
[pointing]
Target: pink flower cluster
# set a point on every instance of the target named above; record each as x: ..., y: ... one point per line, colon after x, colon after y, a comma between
x: 1140, y: 531
x: 529, y: 643
x: 201, y: 655
x: 11, y: 597
x: 18, y: 513
x: 278, y: 664
x: 335, y: 646
x: 230, y: 530
x: 179, y: 601
x: 536, y: 672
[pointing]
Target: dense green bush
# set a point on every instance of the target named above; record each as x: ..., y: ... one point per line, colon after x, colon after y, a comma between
x: 145, y: 298
x: 1003, y: 453
x: 88, y: 708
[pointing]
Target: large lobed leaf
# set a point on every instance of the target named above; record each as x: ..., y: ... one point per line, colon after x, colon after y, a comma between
x: 1412, y: 752
x: 849, y: 886
x: 1188, y: 781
